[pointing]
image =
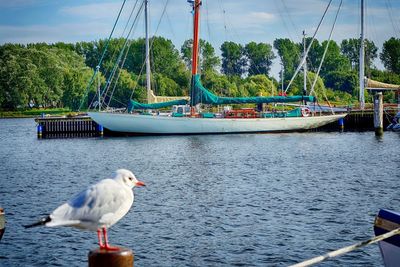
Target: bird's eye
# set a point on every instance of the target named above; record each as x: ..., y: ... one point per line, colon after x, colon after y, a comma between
x: 130, y: 178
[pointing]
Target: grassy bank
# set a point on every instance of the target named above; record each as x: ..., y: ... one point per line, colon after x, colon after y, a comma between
x: 34, y: 112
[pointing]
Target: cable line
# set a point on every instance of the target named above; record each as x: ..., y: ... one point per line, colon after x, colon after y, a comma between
x: 102, y: 56
x: 308, y: 48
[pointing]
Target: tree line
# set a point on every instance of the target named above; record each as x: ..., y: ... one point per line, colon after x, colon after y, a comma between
x: 57, y: 75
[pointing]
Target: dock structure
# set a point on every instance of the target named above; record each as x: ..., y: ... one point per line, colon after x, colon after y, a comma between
x: 65, y: 126
x: 361, y: 120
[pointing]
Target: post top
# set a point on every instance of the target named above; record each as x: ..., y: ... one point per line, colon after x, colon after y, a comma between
x: 122, y: 251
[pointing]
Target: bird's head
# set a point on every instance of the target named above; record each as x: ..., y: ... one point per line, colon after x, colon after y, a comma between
x: 127, y: 178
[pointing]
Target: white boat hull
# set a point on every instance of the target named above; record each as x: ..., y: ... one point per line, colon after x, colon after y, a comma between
x: 147, y: 124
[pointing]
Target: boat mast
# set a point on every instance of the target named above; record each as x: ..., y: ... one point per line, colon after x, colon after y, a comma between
x: 195, y: 57
x: 195, y: 48
x: 148, y: 80
x: 362, y: 53
x: 305, y: 64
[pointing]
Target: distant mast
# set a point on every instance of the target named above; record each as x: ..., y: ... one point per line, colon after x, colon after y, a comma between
x: 305, y: 64
x: 362, y: 54
x: 148, y: 80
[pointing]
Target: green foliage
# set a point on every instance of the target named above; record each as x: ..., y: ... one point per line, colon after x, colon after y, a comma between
x: 342, y: 81
x: 208, y: 61
x: 351, y: 49
x: 233, y: 60
x: 121, y: 91
x: 334, y: 60
x: 258, y: 85
x: 167, y: 86
x: 36, y: 75
x: 259, y: 57
x: 390, y: 55
x: 219, y: 84
x: 289, y: 54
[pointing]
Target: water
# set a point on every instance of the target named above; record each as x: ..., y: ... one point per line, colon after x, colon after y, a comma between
x: 227, y: 200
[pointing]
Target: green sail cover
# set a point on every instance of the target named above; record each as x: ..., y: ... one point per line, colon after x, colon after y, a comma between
x: 136, y: 105
x: 199, y: 94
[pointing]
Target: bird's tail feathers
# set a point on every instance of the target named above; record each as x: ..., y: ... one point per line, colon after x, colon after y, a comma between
x: 39, y: 223
x: 54, y: 223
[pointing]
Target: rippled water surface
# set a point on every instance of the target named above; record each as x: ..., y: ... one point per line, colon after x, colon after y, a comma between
x: 227, y: 200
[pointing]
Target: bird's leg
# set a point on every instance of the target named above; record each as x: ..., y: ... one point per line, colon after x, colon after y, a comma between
x: 106, y: 245
x: 100, y: 239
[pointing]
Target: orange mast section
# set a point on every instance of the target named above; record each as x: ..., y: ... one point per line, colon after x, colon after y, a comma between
x: 195, y: 56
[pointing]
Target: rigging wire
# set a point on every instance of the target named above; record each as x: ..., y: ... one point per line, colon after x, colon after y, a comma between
x: 115, y: 50
x: 390, y: 11
x: 102, y: 57
x: 370, y: 34
x: 151, y: 44
x: 289, y: 16
x: 205, y: 3
x: 123, y: 61
x: 323, y: 57
x: 122, y: 35
x: 110, y: 78
x: 308, y: 48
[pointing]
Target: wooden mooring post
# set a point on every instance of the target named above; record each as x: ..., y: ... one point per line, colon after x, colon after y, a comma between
x: 378, y: 113
x: 115, y: 258
x: 2, y: 222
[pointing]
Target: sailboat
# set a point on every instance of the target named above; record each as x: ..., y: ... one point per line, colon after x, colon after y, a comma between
x: 188, y: 119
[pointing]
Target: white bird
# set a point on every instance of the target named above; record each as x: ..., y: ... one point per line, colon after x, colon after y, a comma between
x: 98, y: 207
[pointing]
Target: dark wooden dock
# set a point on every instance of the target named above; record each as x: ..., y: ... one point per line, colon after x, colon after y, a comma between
x: 361, y: 120
x: 67, y: 126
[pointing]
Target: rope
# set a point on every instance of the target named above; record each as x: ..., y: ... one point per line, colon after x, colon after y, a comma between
x: 347, y: 249
x: 308, y: 48
x: 102, y: 57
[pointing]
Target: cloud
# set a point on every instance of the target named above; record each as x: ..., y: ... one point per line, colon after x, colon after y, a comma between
x: 54, y: 33
x: 262, y: 16
x: 92, y: 11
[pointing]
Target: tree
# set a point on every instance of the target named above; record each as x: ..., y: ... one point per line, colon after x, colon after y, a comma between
x: 289, y: 54
x: 219, y: 84
x: 344, y: 81
x: 208, y: 61
x: 258, y: 85
x: 351, y: 49
x: 334, y: 60
x: 233, y: 60
x: 390, y: 55
x: 259, y: 57
x: 314, y: 55
x: 41, y: 75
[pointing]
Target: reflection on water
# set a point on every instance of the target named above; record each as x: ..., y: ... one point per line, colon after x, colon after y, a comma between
x: 230, y: 200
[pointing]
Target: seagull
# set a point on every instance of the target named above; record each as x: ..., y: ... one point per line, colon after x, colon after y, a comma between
x: 97, y: 208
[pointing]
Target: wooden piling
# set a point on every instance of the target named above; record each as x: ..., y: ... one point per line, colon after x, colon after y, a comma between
x: 378, y: 113
x: 106, y: 258
x: 2, y: 222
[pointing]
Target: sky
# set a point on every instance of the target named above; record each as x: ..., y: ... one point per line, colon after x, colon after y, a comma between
x: 240, y: 21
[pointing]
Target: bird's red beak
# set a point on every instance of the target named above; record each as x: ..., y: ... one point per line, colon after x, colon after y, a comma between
x: 140, y: 183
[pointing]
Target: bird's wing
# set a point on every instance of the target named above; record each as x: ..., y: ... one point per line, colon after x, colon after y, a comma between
x: 91, y: 205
